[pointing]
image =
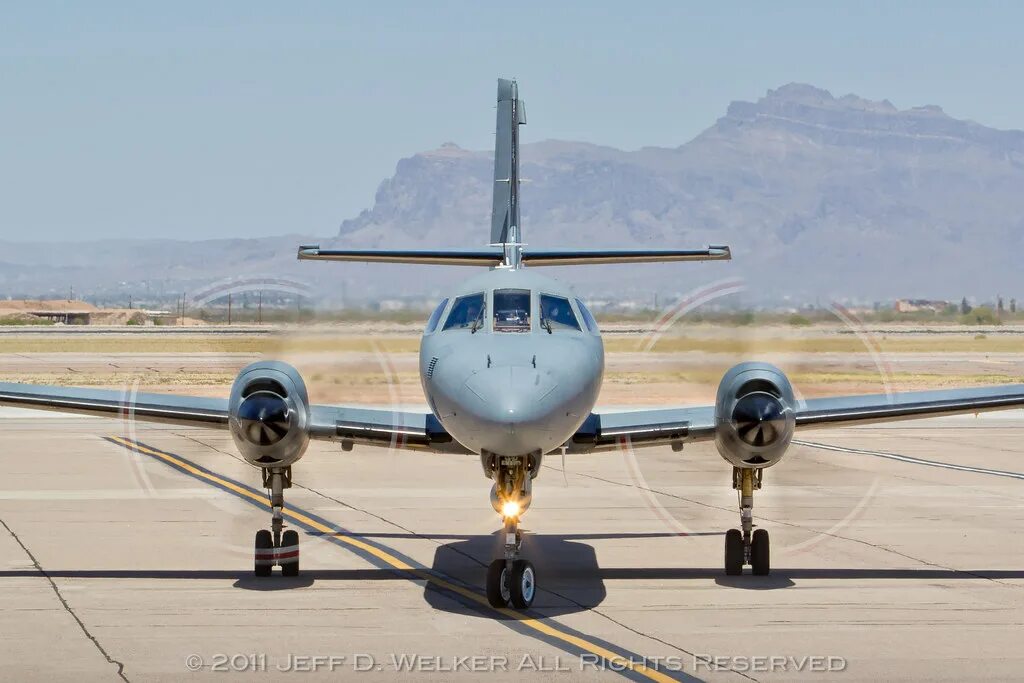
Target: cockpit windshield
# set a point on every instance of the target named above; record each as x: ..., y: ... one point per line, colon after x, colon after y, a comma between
x: 511, y: 310
x: 467, y: 312
x: 435, y: 317
x: 555, y: 312
x: 588, y: 317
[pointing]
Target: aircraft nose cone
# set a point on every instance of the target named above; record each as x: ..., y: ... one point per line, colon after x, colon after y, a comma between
x: 511, y: 408
x: 510, y: 395
x: 265, y: 418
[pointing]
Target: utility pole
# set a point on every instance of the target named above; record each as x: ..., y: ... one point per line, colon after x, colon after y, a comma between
x: 229, y: 308
x: 259, y: 314
x: 71, y: 293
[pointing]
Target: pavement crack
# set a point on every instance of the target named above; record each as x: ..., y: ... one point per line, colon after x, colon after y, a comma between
x: 64, y: 602
x: 704, y: 658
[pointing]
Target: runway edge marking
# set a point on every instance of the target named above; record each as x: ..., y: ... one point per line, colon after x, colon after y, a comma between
x: 612, y: 658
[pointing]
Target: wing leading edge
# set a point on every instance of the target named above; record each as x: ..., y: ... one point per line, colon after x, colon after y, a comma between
x: 422, y: 431
x: 375, y: 427
x: 606, y: 430
x: 190, y: 411
x: 397, y: 429
x: 844, y: 410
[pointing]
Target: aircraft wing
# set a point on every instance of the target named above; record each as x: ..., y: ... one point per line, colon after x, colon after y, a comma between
x: 607, y: 430
x: 398, y: 429
x: 375, y: 427
x: 190, y: 411
x: 844, y: 410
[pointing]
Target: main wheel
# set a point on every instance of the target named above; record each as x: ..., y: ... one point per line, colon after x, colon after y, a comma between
x: 760, y: 552
x: 497, y: 584
x: 733, y: 552
x: 264, y: 553
x: 288, y: 553
x: 523, y: 584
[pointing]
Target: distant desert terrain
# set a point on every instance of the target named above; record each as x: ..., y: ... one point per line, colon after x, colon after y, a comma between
x: 376, y: 363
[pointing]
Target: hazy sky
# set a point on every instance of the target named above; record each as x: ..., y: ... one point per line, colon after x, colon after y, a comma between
x: 219, y: 119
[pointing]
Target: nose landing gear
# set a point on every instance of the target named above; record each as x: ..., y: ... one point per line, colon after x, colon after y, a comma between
x: 276, y: 547
x: 512, y: 581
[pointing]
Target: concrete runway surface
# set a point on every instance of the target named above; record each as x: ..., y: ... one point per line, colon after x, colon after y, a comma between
x: 127, y: 554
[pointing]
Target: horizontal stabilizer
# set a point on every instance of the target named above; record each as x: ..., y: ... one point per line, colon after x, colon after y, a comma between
x: 490, y: 257
x: 493, y: 257
x: 580, y: 258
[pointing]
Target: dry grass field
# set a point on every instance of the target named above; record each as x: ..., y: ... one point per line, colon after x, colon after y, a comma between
x: 379, y: 366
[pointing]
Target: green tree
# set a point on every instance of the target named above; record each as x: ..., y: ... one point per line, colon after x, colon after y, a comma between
x: 797, y: 320
x: 982, y: 315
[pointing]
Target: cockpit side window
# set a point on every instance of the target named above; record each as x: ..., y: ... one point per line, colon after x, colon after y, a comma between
x: 555, y: 312
x: 435, y: 317
x: 511, y: 310
x: 588, y: 318
x: 467, y: 313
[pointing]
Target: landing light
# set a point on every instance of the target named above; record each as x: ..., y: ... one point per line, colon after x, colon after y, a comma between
x: 510, y: 508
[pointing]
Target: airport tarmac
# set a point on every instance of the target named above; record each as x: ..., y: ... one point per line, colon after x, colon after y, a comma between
x: 126, y: 552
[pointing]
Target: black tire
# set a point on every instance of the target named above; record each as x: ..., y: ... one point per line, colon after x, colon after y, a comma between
x: 733, y: 552
x: 263, y: 555
x: 290, y: 565
x: 497, y: 585
x: 523, y: 584
x: 760, y: 553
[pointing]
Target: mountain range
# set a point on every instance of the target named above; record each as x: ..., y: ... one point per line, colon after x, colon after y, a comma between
x: 819, y: 197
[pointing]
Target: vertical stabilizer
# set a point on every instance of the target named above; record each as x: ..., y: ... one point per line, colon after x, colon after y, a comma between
x: 505, y: 211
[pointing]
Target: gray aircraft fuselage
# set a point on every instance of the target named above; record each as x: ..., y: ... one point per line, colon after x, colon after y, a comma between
x: 512, y: 393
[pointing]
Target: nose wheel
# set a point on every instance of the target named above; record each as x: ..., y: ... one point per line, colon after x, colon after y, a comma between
x: 275, y: 546
x: 511, y: 581
x: 747, y: 546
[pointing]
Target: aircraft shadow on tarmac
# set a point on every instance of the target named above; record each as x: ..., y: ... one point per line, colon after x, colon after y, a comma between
x: 567, y: 571
x: 570, y: 578
x: 665, y: 574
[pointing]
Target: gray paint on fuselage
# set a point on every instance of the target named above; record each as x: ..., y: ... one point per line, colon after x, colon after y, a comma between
x: 512, y: 393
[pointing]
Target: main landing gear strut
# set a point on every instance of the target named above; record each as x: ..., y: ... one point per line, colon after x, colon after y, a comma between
x: 275, y: 547
x: 743, y: 547
x: 512, y: 581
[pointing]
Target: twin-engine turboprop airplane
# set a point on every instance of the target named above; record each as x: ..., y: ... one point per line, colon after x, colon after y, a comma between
x: 511, y: 363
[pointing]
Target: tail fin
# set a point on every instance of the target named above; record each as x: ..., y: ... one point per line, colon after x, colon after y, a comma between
x: 505, y: 211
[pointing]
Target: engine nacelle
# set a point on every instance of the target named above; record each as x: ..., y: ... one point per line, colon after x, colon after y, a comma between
x: 269, y: 414
x: 754, y: 419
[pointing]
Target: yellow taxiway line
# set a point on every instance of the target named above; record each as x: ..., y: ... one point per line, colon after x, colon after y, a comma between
x: 618, y: 662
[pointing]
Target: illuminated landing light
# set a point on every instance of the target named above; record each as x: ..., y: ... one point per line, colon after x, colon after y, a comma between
x: 510, y: 508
